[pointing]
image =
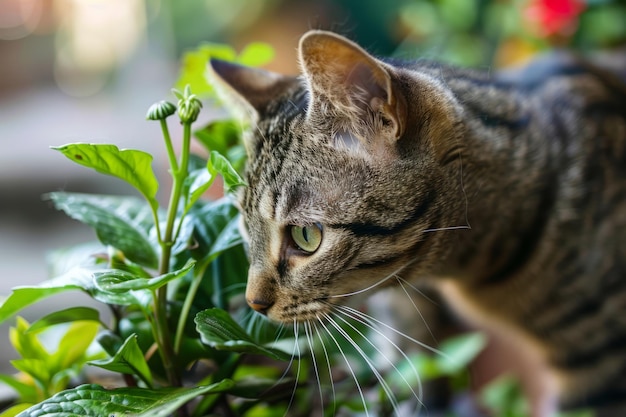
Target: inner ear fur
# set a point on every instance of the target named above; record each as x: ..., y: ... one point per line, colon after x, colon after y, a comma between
x: 253, y: 88
x: 341, y: 74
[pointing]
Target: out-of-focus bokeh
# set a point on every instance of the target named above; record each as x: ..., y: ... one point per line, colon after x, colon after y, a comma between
x: 87, y: 70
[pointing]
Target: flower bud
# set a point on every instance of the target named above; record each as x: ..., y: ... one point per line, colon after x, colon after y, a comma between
x: 160, y: 110
x: 188, y: 105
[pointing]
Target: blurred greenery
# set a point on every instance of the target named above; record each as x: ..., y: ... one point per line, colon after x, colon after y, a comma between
x: 465, y: 32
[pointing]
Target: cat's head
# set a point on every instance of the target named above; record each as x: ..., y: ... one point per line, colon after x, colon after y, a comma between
x: 344, y: 172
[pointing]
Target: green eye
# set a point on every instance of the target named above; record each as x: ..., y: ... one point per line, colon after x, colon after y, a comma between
x: 307, y: 238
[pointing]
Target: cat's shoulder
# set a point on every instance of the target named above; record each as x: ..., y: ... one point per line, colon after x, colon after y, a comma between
x: 567, y: 64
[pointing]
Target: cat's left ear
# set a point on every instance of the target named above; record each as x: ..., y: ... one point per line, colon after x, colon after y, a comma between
x: 357, y: 85
x: 251, y: 89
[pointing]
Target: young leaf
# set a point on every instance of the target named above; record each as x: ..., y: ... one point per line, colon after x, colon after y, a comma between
x: 117, y: 281
x: 200, y: 181
x: 459, y: 352
x: 72, y: 349
x: 218, y: 330
x: 193, y: 70
x: 132, y: 166
x: 65, y: 316
x: 119, y: 222
x: 129, y: 360
x: 27, y: 345
x: 219, y: 135
x: 36, y: 369
x: 95, y: 401
x: 26, y: 392
x: 218, y: 163
x: 256, y: 54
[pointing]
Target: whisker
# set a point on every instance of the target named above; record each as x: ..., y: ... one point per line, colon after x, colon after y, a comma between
x: 356, y: 381
x: 415, y: 306
x: 297, y: 349
x: 361, y: 320
x: 309, y: 337
x: 376, y: 284
x: 441, y: 229
x: 417, y: 290
x: 377, y: 374
x: 286, y: 371
x: 330, y: 371
x: 398, y: 332
x: 279, y: 333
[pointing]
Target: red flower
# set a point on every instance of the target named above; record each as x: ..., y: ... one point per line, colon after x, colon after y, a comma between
x: 554, y: 17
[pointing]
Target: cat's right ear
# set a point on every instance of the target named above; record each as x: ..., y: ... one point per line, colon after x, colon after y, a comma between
x: 247, y: 89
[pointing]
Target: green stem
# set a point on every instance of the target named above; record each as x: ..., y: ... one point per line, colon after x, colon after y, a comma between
x: 168, y: 144
x: 179, y: 174
x: 184, y: 313
x: 226, y: 370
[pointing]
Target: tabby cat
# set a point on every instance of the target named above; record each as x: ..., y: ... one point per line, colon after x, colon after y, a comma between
x: 505, y: 192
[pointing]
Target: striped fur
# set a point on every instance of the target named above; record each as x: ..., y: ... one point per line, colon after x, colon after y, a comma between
x: 507, y: 192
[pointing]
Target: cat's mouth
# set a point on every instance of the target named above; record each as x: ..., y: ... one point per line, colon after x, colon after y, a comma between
x: 294, y: 308
x: 298, y: 311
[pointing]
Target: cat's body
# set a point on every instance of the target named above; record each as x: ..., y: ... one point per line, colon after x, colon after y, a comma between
x: 505, y: 192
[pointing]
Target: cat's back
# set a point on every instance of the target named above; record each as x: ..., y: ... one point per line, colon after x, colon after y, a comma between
x: 563, y: 119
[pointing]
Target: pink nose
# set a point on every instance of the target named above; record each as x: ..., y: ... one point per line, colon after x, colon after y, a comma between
x: 260, y: 305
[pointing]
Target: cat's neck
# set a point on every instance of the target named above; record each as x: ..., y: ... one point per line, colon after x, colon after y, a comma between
x: 509, y: 180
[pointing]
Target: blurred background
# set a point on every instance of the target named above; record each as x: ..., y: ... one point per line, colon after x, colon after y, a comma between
x: 87, y: 70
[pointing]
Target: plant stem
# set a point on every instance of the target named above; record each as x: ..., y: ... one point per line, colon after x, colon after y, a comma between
x: 179, y: 173
x: 184, y: 313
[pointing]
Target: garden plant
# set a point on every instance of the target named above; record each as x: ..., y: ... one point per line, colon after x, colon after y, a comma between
x: 180, y: 337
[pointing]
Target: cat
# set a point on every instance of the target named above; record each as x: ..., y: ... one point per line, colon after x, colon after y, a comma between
x: 504, y: 192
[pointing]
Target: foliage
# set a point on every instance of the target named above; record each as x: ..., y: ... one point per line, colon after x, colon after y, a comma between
x: 154, y: 267
x: 509, y: 32
x: 173, y: 278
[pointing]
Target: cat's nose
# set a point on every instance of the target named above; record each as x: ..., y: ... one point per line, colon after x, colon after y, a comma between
x: 260, y: 305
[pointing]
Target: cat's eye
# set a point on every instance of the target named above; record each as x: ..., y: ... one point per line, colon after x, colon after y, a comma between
x: 307, y: 238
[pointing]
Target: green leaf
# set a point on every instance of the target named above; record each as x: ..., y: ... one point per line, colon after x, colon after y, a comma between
x: 95, y: 401
x: 62, y: 260
x: 200, y: 181
x: 210, y: 220
x: 36, y: 369
x: 218, y: 163
x: 132, y: 166
x: 22, y: 297
x: 253, y: 387
x: 218, y: 330
x: 73, y: 346
x: 459, y: 351
x: 26, y: 392
x: 256, y: 54
x: 117, y: 281
x: 79, y: 278
x: 219, y: 135
x: 228, y: 238
x: 194, y: 64
x: 129, y: 360
x: 504, y: 397
x: 121, y: 222
x: 65, y: 316
x: 16, y: 409
x: 27, y: 345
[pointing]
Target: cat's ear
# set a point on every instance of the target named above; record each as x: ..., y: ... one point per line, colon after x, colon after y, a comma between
x: 249, y: 89
x: 342, y: 75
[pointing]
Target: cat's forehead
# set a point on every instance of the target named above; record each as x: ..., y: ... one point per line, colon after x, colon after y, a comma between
x: 297, y: 175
